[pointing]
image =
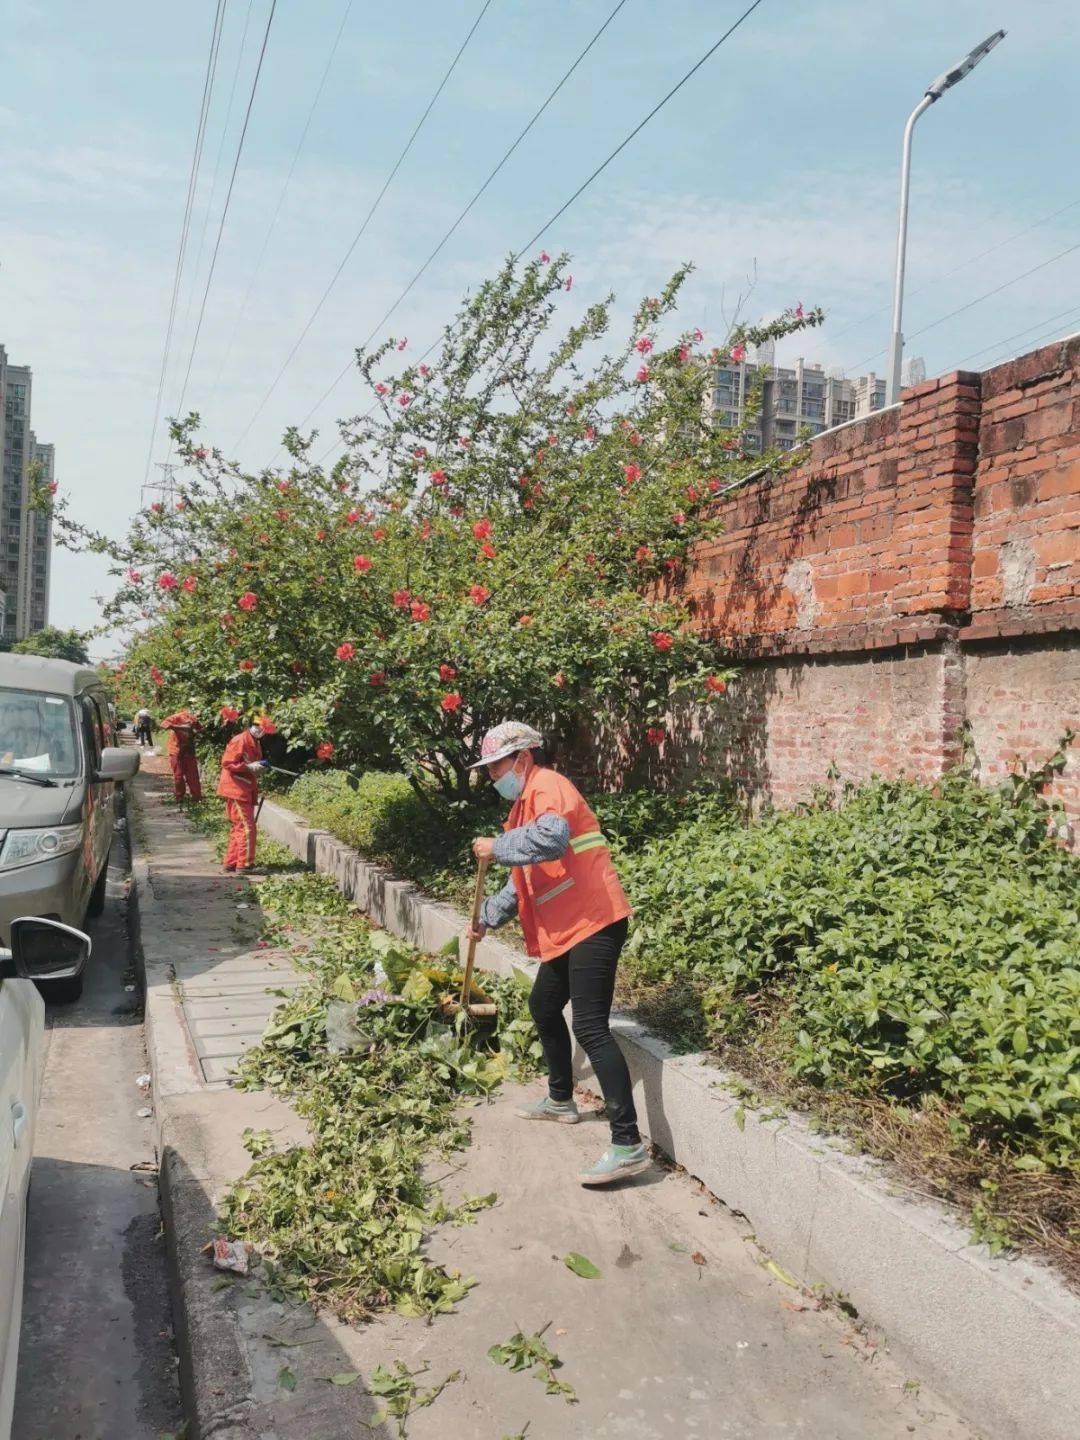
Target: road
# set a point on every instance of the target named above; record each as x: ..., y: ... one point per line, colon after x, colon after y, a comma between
x: 96, y: 1359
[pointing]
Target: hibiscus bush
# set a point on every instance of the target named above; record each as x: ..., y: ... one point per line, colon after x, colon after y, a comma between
x: 503, y: 536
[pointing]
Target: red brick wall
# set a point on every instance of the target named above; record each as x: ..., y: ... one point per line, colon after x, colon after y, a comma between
x: 920, y: 569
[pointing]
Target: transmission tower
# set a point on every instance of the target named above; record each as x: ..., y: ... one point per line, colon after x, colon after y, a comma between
x: 163, y: 491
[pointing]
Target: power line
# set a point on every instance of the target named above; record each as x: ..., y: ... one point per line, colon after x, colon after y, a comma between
x: 577, y: 193
x: 366, y: 221
x: 257, y: 269
x: 1047, y: 320
x: 971, y: 260
x: 225, y: 209
x: 200, y: 133
x: 506, y: 156
x: 220, y: 153
x: 638, y: 128
x: 960, y: 309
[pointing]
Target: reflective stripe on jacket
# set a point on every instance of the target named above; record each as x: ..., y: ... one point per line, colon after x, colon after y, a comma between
x: 562, y: 902
x: 236, y: 781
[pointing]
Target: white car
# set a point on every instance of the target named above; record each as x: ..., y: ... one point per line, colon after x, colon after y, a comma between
x: 41, y: 950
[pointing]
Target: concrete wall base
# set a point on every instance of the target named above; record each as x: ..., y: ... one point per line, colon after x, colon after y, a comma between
x: 1000, y: 1339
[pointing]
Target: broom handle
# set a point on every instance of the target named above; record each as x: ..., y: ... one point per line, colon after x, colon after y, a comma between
x: 478, y: 900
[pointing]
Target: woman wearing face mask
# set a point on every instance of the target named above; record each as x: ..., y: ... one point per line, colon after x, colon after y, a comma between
x: 239, y: 788
x: 564, y: 889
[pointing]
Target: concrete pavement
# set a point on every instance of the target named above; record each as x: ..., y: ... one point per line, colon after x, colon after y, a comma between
x: 686, y: 1333
x: 96, y: 1360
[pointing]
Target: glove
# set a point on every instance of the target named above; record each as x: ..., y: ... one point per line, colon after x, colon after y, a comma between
x: 256, y: 765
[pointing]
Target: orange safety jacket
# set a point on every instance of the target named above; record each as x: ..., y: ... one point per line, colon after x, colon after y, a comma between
x: 181, y: 728
x: 562, y: 902
x: 236, y: 781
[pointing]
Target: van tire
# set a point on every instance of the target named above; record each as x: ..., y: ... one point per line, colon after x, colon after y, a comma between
x: 96, y: 904
x: 64, y: 992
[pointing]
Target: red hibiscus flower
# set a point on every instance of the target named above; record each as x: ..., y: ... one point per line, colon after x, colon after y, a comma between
x: 377, y: 677
x: 713, y: 483
x: 229, y: 714
x: 419, y: 610
x: 352, y: 517
x: 438, y: 477
x: 478, y: 594
x: 345, y: 651
x: 632, y: 473
x: 568, y: 283
x: 156, y: 675
x: 283, y: 486
x: 181, y: 504
x: 482, y: 529
x: 451, y: 701
x: 487, y: 550
x: 464, y: 442
x: 590, y: 432
x: 378, y: 533
x: 738, y: 352
x: 698, y: 335
x: 167, y: 580
x: 401, y: 599
x: 655, y: 734
x: 544, y: 257
x: 227, y: 619
x: 642, y: 375
x: 692, y: 494
x: 715, y: 685
x: 425, y: 530
x: 381, y: 389
x: 420, y: 452
x: 684, y: 353
x: 662, y: 640
x: 559, y: 680
x: 200, y: 454
x: 360, y: 562
x: 634, y: 438
x: 135, y: 576
x: 799, y: 311
x: 157, y: 507
x: 246, y: 665
x: 525, y: 621
x: 282, y: 514
x: 447, y: 672
x: 404, y: 400
x: 641, y: 554
x: 644, y: 345
x: 423, y: 370
x: 679, y: 518
x: 248, y: 600
x: 189, y: 584
x: 324, y: 750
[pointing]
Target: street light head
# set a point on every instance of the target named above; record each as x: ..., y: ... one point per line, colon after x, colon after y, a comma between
x: 964, y: 67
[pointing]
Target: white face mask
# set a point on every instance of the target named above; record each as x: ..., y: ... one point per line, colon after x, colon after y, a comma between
x: 511, y: 784
x: 256, y: 730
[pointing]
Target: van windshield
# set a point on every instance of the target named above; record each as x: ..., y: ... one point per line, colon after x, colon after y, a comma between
x: 37, y: 733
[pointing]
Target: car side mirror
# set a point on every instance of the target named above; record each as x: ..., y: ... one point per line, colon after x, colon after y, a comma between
x: 47, y: 950
x: 118, y: 763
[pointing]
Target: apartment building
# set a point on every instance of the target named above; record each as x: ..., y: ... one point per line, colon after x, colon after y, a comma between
x: 777, y: 406
x: 25, y: 534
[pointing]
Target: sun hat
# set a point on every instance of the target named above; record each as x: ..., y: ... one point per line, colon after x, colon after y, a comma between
x: 507, y: 739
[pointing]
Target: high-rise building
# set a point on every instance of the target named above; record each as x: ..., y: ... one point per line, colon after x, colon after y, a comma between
x: 25, y: 534
x: 791, y: 402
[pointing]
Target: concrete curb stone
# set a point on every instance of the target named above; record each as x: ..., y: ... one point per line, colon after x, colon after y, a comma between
x: 1000, y: 1339
x: 215, y: 1378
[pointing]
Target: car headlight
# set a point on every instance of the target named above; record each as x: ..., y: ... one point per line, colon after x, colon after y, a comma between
x: 26, y: 847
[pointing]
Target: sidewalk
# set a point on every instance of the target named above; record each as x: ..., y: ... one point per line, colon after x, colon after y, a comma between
x: 685, y: 1334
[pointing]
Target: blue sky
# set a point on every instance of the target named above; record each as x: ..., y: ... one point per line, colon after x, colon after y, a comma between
x: 778, y: 160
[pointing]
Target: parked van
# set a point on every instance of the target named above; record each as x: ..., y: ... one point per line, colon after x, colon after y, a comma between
x: 59, y: 767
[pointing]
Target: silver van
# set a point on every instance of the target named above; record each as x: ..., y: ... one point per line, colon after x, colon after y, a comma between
x: 59, y: 767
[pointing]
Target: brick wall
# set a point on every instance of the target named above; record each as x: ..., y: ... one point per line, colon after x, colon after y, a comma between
x: 920, y: 570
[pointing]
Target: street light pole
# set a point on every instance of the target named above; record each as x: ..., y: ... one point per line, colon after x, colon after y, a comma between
x: 933, y: 92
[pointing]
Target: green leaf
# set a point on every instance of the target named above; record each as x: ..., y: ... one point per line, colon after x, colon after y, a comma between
x: 343, y: 1377
x: 581, y: 1266
x: 286, y: 1379
x: 740, y: 1117
x: 784, y: 1276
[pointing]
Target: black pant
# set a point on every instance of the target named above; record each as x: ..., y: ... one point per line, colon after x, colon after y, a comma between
x: 585, y: 976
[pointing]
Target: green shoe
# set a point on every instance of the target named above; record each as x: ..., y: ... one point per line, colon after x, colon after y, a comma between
x: 616, y: 1163
x: 563, y: 1112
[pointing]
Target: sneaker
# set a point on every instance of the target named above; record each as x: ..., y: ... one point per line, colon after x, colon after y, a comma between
x: 563, y: 1112
x: 616, y: 1163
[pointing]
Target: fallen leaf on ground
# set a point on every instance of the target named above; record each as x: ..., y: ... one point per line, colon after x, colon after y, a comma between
x: 580, y: 1265
x: 343, y: 1377
x: 286, y: 1379
x: 779, y: 1273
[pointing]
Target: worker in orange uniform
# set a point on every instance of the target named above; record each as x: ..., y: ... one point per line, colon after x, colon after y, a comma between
x: 182, y: 728
x: 239, y: 787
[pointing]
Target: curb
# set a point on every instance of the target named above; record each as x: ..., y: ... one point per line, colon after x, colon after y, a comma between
x: 999, y: 1339
x: 215, y: 1377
